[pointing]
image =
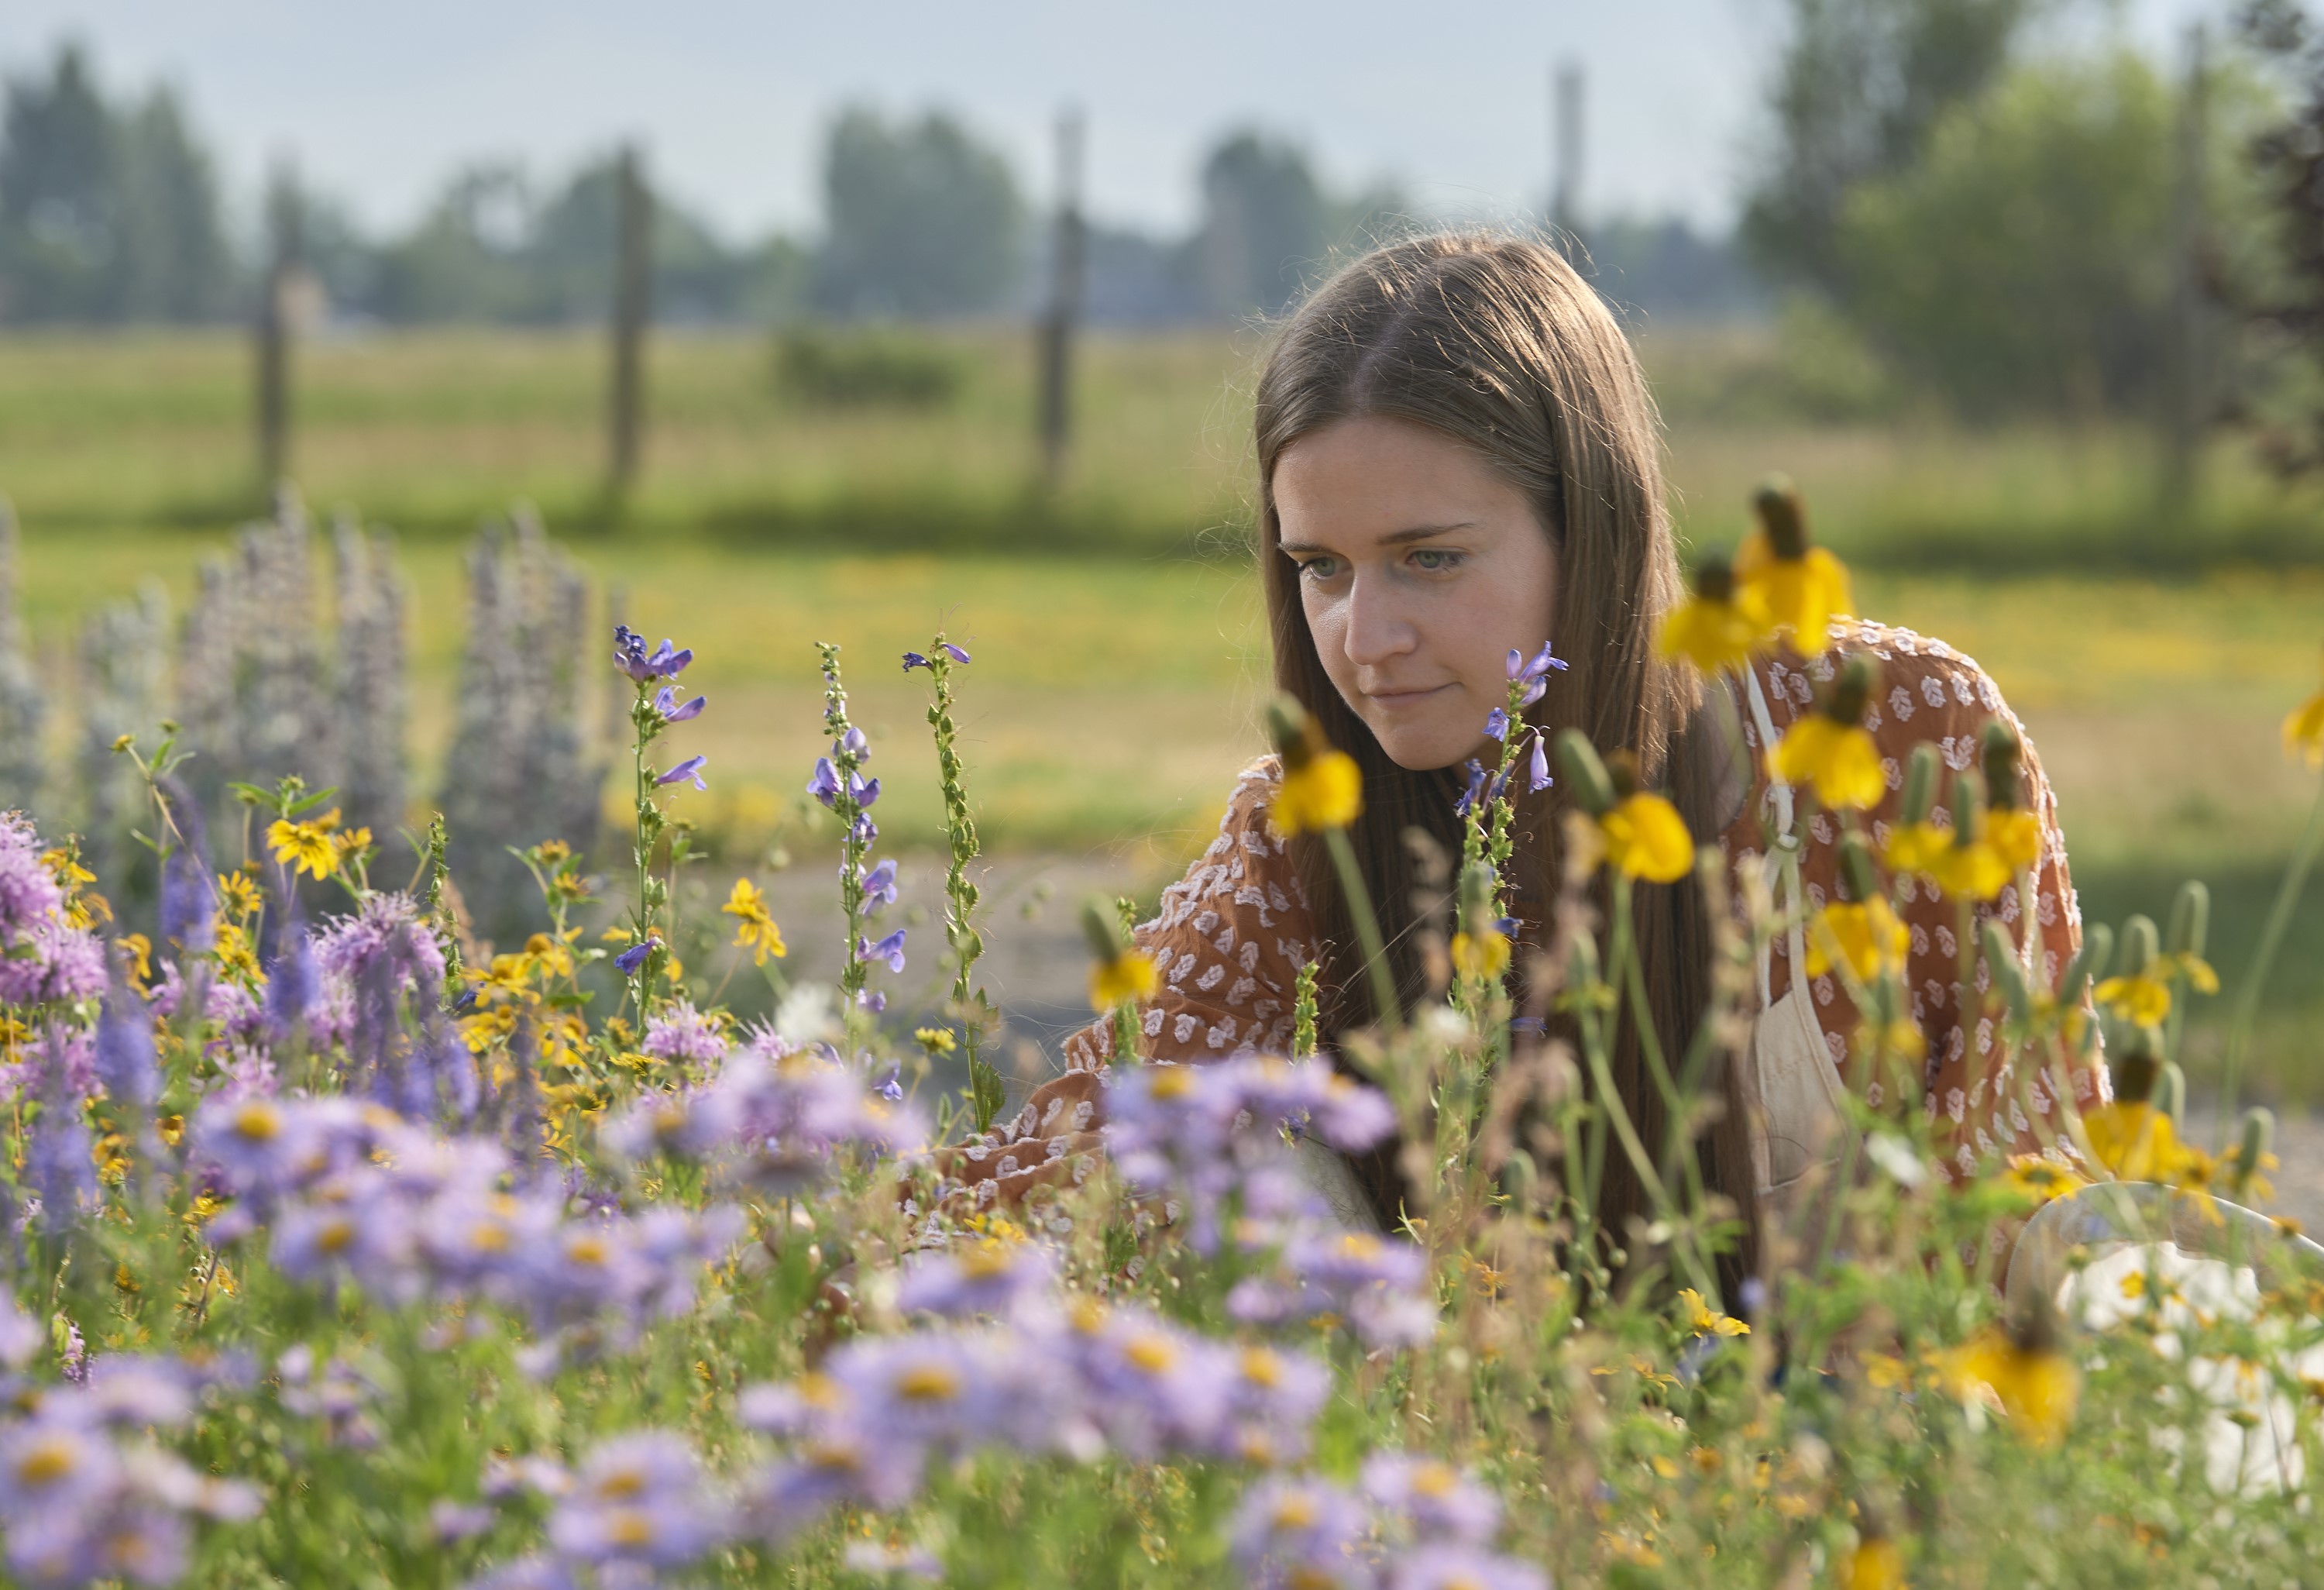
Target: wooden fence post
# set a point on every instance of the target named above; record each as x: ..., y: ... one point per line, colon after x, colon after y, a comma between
x: 632, y: 306
x: 1566, y: 87
x: 1068, y: 247
x: 275, y: 330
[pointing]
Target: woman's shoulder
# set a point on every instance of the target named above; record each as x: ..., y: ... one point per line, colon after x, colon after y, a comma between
x: 1928, y: 691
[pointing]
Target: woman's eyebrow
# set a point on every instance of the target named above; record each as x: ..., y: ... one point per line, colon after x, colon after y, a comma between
x: 1396, y: 537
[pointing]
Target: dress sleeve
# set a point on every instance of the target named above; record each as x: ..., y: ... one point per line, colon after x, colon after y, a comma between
x: 1930, y: 693
x: 1229, y: 941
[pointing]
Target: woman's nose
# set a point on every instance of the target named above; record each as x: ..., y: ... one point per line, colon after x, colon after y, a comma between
x: 1377, y: 627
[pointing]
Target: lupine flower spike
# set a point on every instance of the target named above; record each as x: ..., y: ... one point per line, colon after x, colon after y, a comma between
x: 1829, y: 750
x: 1797, y: 587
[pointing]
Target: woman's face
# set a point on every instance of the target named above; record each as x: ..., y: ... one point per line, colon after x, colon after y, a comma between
x: 1419, y: 567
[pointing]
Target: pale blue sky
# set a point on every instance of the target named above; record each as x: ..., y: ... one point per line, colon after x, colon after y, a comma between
x: 379, y: 102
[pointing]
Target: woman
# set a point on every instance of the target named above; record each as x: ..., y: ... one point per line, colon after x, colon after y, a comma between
x: 1458, y: 459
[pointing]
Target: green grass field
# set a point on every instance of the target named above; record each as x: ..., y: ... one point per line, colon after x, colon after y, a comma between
x: 1113, y: 697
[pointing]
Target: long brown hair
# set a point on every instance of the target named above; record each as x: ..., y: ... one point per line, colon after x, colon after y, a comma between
x: 1497, y: 343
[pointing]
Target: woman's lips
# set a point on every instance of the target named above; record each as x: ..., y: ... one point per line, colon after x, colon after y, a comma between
x: 1397, y: 700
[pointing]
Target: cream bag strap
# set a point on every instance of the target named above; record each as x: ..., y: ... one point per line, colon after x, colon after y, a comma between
x: 1791, y: 1084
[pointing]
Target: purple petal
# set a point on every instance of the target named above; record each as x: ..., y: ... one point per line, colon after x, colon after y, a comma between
x: 1497, y: 727
x: 1537, y: 775
x: 1543, y: 661
x: 1517, y: 662
x: 913, y: 659
x: 954, y: 652
x: 691, y: 768
x: 825, y: 785
x: 666, y: 704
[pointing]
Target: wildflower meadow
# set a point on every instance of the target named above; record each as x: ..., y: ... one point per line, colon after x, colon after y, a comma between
x: 340, y: 1249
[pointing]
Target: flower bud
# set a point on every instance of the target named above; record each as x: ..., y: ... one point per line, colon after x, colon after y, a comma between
x: 1969, y: 811
x: 2190, y: 918
x: 1714, y: 578
x: 1851, y: 691
x: 2258, y: 1136
x: 1584, y: 773
x: 1777, y: 505
x: 1856, y: 869
x: 2097, y: 948
x: 1921, y: 774
x: 1298, y: 737
x: 1102, y: 925
x: 2136, y: 1066
x: 2008, y: 974
x: 2001, y: 753
x: 2140, y: 945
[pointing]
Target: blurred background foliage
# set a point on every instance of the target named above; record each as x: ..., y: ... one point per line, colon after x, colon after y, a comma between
x: 2035, y: 318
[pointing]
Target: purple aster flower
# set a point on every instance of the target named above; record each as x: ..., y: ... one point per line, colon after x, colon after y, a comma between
x: 1438, y: 1501
x: 637, y: 1499
x: 54, y: 1466
x: 21, y: 1336
x: 1452, y: 1565
x: 667, y: 704
x: 386, y: 930
x: 453, y: 1521
x: 1537, y: 777
x: 840, y: 1465
x: 1301, y: 1532
x: 133, y: 1390
x: 1497, y: 726
x: 628, y: 962
x: 679, y: 1033
x: 1150, y: 1385
x: 537, y: 1572
x: 880, y: 887
x: 889, y: 949
x: 932, y: 1389
x: 1273, y: 1399
x: 691, y: 768
x: 986, y: 1277
x: 29, y: 894
x: 913, y: 659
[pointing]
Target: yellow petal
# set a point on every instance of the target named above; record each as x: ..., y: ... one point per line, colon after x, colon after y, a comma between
x: 1839, y: 760
x: 2303, y: 730
x: 1326, y: 793
x: 1647, y: 838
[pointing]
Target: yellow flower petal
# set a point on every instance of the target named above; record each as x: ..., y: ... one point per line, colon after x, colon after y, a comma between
x: 2015, y: 838
x: 1129, y: 976
x: 2143, y: 1000
x: 1715, y: 635
x: 2303, y: 730
x: 1867, y: 937
x: 1802, y: 595
x: 2036, y: 1388
x: 1839, y: 760
x: 1975, y: 871
x: 1647, y: 838
x: 1480, y: 955
x: 1328, y: 792
x: 1917, y: 848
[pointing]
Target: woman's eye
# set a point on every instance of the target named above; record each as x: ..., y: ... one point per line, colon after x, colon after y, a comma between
x: 1436, y: 559
x: 1319, y: 568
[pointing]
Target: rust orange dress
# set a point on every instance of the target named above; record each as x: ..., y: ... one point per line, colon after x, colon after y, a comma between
x: 1231, y: 935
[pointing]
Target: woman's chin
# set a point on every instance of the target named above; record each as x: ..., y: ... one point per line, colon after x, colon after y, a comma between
x: 1418, y: 756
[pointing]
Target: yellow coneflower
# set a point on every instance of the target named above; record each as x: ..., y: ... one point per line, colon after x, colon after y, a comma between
x: 1721, y: 624
x: 1917, y: 848
x: 1800, y: 587
x: 1865, y: 937
x: 2303, y: 730
x: 1647, y: 838
x: 1480, y: 955
x: 1829, y: 750
x: 2025, y: 1369
x: 1322, y: 788
x: 1876, y: 1564
x: 2140, y: 998
x: 755, y: 929
x: 1123, y: 974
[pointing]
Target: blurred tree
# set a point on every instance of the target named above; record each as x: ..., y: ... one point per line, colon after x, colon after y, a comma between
x: 1862, y: 87
x: 2279, y: 291
x: 2023, y: 263
x: 1269, y: 225
x: 921, y: 220
x: 466, y: 260
x: 104, y: 215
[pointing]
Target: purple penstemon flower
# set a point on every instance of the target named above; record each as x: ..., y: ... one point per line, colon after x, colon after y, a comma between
x: 889, y: 949
x: 631, y: 656
x: 1534, y: 672
x: 1476, y: 776
x: 691, y: 768
x: 913, y: 659
x: 1537, y: 777
x: 667, y: 704
x: 865, y: 791
x: 628, y: 962
x: 853, y: 742
x: 1497, y: 727
x: 825, y: 783
x: 880, y: 887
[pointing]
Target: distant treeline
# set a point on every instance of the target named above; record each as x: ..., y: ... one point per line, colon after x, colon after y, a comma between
x: 112, y: 211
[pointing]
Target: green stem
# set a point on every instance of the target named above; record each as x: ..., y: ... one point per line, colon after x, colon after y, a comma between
x: 1387, y: 1010
x: 2270, y: 940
